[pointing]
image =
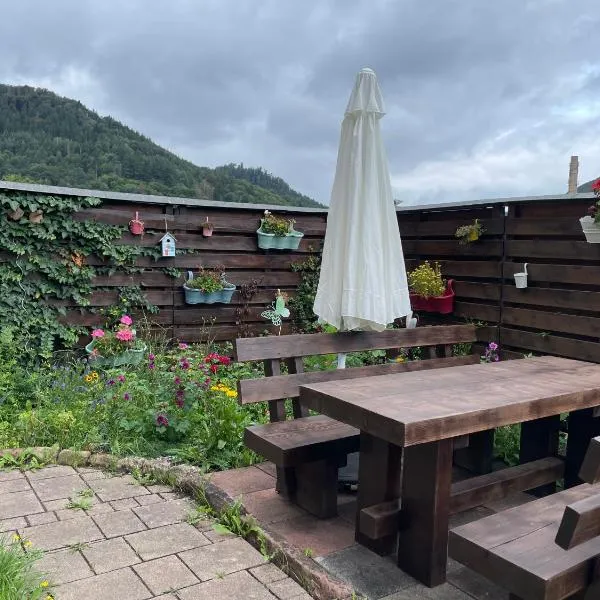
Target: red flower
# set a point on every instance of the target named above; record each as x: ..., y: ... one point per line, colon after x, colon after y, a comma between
x: 596, y: 187
x: 162, y: 420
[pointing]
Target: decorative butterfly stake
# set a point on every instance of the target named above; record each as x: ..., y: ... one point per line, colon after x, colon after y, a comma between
x: 277, y: 312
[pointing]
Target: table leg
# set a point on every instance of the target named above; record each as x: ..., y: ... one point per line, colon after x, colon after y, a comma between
x: 583, y: 426
x: 539, y: 439
x: 426, y: 488
x: 379, y: 477
x: 478, y: 456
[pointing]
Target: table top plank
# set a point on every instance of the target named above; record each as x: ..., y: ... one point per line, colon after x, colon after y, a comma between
x: 425, y: 406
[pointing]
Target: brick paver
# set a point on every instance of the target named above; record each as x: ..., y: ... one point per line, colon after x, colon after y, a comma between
x: 133, y: 544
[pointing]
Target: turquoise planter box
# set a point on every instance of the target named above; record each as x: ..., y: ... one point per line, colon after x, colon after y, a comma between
x: 270, y: 241
x: 193, y: 296
x: 129, y: 357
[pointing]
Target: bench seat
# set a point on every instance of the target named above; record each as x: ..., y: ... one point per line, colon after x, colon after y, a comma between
x: 516, y: 548
x: 297, y: 441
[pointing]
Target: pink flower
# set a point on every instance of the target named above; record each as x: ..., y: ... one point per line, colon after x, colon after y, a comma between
x: 121, y: 378
x: 98, y: 333
x: 126, y: 320
x: 493, y: 346
x: 183, y: 346
x: 124, y: 335
x: 162, y: 420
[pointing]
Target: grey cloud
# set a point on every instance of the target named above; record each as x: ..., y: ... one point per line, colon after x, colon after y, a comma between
x: 266, y: 82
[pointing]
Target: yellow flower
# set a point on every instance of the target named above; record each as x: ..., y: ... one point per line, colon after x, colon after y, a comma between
x: 44, y: 584
x: 28, y: 544
x: 88, y: 379
x: 400, y: 359
x: 231, y: 393
x: 94, y: 375
x: 16, y: 537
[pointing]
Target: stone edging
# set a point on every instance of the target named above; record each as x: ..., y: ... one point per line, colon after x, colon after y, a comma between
x: 191, y: 481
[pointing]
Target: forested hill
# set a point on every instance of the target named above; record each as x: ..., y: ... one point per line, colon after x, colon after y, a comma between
x: 45, y: 138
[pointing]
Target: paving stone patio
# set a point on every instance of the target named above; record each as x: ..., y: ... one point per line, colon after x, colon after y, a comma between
x: 133, y: 543
x: 331, y: 542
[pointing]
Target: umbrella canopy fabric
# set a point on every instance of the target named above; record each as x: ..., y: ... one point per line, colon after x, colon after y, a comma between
x: 362, y: 285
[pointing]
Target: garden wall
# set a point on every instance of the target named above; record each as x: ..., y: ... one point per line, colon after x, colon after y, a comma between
x: 233, y: 245
x: 559, y: 313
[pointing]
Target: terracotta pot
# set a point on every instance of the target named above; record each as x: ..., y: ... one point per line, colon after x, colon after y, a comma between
x: 36, y: 217
x: 207, y: 230
x: 438, y: 304
x: 136, y: 226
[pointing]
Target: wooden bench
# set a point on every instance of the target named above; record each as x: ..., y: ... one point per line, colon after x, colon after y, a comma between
x: 309, y: 450
x: 548, y: 549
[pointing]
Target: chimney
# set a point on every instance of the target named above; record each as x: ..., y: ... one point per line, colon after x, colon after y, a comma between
x: 573, y: 175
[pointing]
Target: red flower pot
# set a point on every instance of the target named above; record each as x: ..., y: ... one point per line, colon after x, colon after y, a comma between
x: 438, y: 304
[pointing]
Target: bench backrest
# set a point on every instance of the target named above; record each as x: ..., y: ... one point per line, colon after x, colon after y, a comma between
x: 581, y: 520
x: 275, y: 388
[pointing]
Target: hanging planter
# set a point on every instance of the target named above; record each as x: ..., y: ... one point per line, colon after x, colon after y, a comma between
x: 443, y: 304
x: 136, y: 226
x: 276, y: 233
x: 591, y: 224
x: 429, y: 292
x: 207, y: 228
x: 209, y: 287
x: 36, y: 217
x: 469, y: 233
x: 521, y: 278
x: 591, y: 230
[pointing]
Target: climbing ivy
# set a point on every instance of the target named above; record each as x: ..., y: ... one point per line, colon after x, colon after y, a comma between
x: 44, y: 266
x: 301, y: 305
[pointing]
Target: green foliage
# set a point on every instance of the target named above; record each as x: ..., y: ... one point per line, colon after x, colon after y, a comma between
x: 25, y: 460
x: 426, y: 280
x: 507, y: 442
x: 301, y: 304
x: 180, y: 402
x: 278, y: 226
x: 44, y: 267
x: 19, y: 579
x: 462, y: 349
x: 48, y: 139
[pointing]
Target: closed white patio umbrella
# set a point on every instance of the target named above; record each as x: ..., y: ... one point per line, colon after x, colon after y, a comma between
x: 362, y: 284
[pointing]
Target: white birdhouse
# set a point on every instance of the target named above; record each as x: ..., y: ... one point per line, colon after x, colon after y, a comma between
x: 168, y: 244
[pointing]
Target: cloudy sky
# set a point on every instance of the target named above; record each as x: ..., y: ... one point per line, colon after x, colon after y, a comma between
x: 484, y: 98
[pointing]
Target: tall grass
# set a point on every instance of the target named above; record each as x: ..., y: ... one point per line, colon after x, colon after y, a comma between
x: 19, y: 580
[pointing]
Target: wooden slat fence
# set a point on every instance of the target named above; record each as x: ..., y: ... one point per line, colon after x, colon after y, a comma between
x: 233, y: 245
x: 559, y: 313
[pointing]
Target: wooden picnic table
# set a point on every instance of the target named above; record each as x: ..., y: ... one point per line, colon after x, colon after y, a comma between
x: 409, y: 423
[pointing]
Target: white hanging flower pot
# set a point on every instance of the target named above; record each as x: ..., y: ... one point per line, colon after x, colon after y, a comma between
x: 591, y: 230
x: 521, y: 278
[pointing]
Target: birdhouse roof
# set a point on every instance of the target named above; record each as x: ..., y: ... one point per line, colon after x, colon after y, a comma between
x: 168, y: 235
